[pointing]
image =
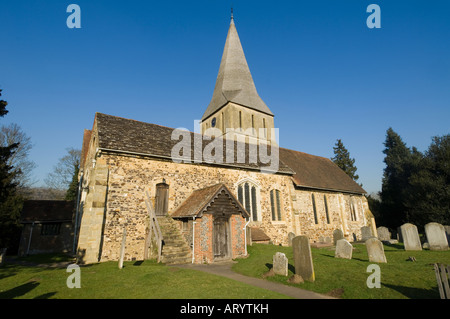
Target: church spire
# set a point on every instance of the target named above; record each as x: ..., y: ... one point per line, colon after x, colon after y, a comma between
x: 234, y: 82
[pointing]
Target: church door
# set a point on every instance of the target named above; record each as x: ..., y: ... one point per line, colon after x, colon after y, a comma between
x: 221, y: 238
x: 162, y: 199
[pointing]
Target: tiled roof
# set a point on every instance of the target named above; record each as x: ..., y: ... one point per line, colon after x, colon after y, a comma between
x: 199, y: 201
x: 318, y: 172
x: 47, y: 210
x: 116, y: 134
x: 119, y: 134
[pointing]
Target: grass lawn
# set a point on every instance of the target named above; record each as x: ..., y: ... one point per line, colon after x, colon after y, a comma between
x: 400, y: 278
x: 136, y: 280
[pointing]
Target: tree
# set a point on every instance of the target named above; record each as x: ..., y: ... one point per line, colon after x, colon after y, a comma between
x: 61, y: 176
x: 10, y: 201
x: 72, y: 191
x: 23, y: 166
x: 395, y: 180
x: 342, y: 159
x: 3, y: 104
x: 429, y: 194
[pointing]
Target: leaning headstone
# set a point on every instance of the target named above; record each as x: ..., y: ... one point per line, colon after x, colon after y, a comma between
x: 436, y: 236
x: 343, y: 249
x: 410, y: 237
x: 383, y: 233
x: 291, y: 236
x: 280, y: 264
x: 337, y: 234
x: 375, y: 250
x: 303, y: 258
x: 2, y: 255
x: 366, y: 233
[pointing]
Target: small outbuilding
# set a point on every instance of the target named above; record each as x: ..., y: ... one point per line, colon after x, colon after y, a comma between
x: 47, y: 227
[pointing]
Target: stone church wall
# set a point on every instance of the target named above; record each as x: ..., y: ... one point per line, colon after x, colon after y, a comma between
x: 120, y: 204
x: 346, y: 212
x: 130, y: 177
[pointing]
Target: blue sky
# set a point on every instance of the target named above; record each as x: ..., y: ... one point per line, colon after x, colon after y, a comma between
x: 322, y: 72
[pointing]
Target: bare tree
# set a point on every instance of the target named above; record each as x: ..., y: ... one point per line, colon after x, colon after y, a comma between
x: 19, y: 160
x: 62, y: 173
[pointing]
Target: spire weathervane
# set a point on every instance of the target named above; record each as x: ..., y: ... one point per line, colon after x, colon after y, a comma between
x: 232, y: 12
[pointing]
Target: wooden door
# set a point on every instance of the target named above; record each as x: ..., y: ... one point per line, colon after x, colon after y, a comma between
x: 221, y: 238
x: 162, y: 199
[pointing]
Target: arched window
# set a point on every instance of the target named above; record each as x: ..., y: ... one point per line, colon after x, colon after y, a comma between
x: 275, y: 204
x: 313, y: 199
x: 248, y: 196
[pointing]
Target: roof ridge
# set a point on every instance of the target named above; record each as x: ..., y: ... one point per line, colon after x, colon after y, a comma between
x: 289, y: 149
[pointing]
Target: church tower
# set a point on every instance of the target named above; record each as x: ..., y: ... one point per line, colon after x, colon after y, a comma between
x: 236, y: 108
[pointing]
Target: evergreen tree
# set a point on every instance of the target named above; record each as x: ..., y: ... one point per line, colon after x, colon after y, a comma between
x: 429, y: 194
x: 10, y: 201
x: 400, y: 162
x: 342, y: 159
x: 3, y: 104
x: 72, y: 192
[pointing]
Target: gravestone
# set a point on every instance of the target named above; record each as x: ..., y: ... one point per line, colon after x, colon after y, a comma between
x: 2, y: 255
x: 291, y: 236
x: 383, y: 233
x: 410, y: 237
x: 343, y: 249
x: 337, y: 235
x: 366, y: 233
x: 302, y: 258
x: 375, y: 250
x: 280, y: 264
x: 436, y: 237
x: 447, y: 232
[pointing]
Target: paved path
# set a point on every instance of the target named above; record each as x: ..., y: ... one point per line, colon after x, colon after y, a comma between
x: 224, y: 269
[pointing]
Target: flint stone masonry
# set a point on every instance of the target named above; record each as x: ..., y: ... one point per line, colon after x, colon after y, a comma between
x: 375, y: 250
x: 436, y: 236
x: 343, y: 249
x: 410, y: 237
x: 280, y: 264
x: 114, y: 188
x: 302, y: 258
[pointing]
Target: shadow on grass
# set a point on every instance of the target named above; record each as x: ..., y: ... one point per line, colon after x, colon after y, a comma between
x: 415, y: 293
x: 19, y: 290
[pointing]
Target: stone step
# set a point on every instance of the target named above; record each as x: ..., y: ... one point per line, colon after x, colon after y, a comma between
x: 175, y: 249
x: 175, y: 261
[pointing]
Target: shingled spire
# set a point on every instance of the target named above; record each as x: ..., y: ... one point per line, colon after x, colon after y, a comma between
x: 234, y: 82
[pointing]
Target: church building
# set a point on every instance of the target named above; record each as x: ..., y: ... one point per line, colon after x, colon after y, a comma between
x: 211, y: 192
